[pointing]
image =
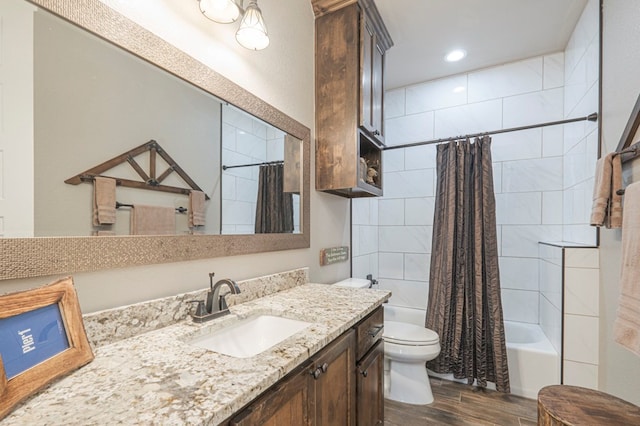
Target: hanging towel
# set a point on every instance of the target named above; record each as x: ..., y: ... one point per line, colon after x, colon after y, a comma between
x: 104, y: 201
x: 196, y: 209
x: 615, y: 206
x: 607, y: 204
x: 626, y: 328
x: 152, y: 220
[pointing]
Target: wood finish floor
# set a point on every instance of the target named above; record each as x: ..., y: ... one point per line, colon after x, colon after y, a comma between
x: 459, y: 404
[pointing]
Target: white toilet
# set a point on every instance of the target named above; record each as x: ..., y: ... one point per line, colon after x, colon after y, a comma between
x: 407, y: 347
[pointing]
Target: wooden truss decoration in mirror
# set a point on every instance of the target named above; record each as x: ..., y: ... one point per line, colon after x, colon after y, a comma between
x: 150, y: 180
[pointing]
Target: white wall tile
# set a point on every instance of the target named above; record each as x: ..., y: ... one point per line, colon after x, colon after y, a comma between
x: 551, y: 322
x: 519, y: 273
x: 520, y: 305
x: 532, y: 175
x: 437, y: 94
x: 472, y: 118
x: 553, y: 70
x: 391, y: 265
x: 416, y: 267
x: 521, y: 145
x: 582, y: 258
x: 420, y: 157
x: 581, y: 338
x: 409, y: 128
x: 360, y: 266
x: 409, y: 184
x: 394, y: 101
x: 246, y: 190
x: 580, y: 374
x: 552, y: 208
x: 405, y: 239
x: 550, y: 283
x: 506, y: 80
x: 519, y: 208
x: 393, y: 161
x: 522, y: 240
x: 533, y: 108
x: 360, y: 211
x: 497, y: 177
x: 419, y: 211
x: 412, y: 294
x: 373, y: 211
x: 581, y: 234
x: 552, y: 141
x: 581, y: 291
x: 368, y: 240
x: 391, y: 212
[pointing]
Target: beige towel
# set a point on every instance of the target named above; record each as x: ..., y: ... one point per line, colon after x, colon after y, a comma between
x: 196, y: 209
x: 607, y: 205
x: 626, y: 328
x: 615, y: 204
x: 104, y: 201
x: 152, y: 220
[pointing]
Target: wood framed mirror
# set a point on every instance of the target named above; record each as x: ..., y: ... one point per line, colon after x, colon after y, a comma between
x: 39, y: 256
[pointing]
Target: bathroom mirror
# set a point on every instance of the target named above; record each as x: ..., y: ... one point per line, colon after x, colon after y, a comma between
x: 246, y: 129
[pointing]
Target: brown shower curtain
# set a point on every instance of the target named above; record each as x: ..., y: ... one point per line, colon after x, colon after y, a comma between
x: 464, y: 284
x: 274, y: 207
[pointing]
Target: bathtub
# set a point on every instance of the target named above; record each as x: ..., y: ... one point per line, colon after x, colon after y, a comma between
x: 533, y: 361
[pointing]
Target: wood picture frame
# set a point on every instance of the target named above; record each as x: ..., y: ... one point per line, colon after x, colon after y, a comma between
x: 61, y: 298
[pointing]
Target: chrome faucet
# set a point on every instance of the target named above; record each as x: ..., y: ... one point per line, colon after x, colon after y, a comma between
x: 216, y: 304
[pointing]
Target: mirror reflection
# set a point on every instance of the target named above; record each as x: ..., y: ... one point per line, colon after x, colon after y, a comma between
x: 93, y: 102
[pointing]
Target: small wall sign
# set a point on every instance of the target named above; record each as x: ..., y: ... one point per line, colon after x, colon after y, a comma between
x: 332, y: 255
x: 42, y: 338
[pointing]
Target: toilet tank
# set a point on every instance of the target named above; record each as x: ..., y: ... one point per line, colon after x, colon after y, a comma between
x: 404, y: 314
x: 354, y: 283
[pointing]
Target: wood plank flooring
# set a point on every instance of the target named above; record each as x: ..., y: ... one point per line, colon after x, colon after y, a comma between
x: 463, y: 405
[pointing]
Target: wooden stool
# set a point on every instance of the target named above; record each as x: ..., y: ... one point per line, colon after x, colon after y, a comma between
x: 573, y: 405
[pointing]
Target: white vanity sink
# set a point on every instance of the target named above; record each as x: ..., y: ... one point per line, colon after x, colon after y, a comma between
x: 248, y: 337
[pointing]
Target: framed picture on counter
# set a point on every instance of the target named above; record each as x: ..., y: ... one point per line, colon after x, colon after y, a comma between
x: 42, y: 338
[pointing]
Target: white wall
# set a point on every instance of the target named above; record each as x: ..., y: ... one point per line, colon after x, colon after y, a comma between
x: 282, y: 75
x: 619, y: 372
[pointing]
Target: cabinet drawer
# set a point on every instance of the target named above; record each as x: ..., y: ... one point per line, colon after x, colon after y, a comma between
x: 369, y: 331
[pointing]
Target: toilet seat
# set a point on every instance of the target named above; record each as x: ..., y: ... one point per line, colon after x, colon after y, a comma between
x: 409, y: 334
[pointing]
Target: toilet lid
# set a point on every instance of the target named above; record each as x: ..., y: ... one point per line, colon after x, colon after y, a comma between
x: 408, y: 334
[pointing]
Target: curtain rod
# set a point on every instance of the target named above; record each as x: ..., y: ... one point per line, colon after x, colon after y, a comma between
x: 590, y: 117
x: 266, y: 163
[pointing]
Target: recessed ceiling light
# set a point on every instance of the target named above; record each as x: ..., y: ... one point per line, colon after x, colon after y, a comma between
x: 455, y: 55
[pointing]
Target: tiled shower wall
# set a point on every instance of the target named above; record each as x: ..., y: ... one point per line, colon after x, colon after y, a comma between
x: 246, y: 140
x: 527, y: 177
x: 542, y: 177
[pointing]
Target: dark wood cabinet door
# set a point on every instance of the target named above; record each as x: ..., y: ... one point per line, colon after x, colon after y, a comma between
x: 370, y: 387
x: 377, y: 91
x: 287, y: 403
x: 335, y: 389
x: 366, y: 92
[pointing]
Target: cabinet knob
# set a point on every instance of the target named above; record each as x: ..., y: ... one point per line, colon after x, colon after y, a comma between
x: 364, y: 373
x: 376, y: 132
x: 374, y: 331
x: 324, y: 367
x: 316, y: 373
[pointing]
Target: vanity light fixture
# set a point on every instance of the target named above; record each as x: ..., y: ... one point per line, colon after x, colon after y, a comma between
x: 252, y: 33
x: 455, y: 55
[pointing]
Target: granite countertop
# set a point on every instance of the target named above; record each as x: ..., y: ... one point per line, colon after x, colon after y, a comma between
x: 156, y: 378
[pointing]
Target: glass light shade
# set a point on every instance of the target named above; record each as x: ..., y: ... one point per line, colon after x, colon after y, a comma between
x: 221, y: 11
x: 252, y: 33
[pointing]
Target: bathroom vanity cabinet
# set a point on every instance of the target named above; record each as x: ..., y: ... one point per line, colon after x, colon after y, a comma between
x: 320, y: 392
x: 351, y: 41
x: 341, y: 384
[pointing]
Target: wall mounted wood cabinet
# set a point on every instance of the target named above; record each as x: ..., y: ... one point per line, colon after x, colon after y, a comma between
x: 351, y: 41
